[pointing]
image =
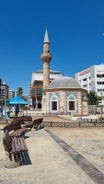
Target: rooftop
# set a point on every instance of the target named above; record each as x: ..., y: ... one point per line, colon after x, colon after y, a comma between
x: 64, y: 82
x: 51, y: 71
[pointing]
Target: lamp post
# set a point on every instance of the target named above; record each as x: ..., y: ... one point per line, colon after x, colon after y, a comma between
x: 5, y: 103
x: 4, y: 109
x: 101, y: 105
x: 1, y: 100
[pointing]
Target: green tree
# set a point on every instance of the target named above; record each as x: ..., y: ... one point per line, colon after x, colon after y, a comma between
x: 20, y: 92
x: 92, y: 98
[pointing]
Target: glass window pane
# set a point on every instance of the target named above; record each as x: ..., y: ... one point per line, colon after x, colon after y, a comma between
x: 54, y: 105
x: 71, y: 105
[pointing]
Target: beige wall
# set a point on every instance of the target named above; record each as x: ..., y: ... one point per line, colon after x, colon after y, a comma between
x: 82, y: 106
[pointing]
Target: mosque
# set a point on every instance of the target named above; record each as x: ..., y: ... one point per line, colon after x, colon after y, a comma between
x: 62, y: 95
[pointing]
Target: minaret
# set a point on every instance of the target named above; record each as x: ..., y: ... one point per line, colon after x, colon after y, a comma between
x: 46, y: 58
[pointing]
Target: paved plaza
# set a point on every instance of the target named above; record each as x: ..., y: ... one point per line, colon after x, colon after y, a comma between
x: 59, y: 156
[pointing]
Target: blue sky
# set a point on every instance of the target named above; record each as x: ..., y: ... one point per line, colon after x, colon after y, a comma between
x: 75, y: 30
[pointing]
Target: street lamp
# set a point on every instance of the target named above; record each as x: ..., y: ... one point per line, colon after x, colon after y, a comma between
x: 1, y: 101
x: 4, y: 109
x: 101, y: 105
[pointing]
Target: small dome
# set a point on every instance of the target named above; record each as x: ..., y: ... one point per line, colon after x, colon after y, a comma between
x: 64, y: 82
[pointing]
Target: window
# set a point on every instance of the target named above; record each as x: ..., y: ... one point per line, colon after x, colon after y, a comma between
x: 100, y: 75
x: 71, y: 105
x: 100, y: 83
x: 84, y: 86
x: 54, y: 106
x: 100, y: 90
x: 54, y: 103
x: 39, y: 91
x: 38, y: 83
x: 32, y: 91
x: 85, y: 79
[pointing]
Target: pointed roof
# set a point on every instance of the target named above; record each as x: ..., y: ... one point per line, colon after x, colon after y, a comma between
x: 46, y: 37
x: 17, y: 100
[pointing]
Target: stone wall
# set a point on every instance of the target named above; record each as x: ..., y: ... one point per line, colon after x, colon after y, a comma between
x: 81, y: 106
x: 84, y: 108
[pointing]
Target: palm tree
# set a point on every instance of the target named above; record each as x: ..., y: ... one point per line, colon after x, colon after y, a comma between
x: 92, y: 98
x: 20, y: 91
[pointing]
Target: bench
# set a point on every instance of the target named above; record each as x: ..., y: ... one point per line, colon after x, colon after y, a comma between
x: 16, y: 148
x: 38, y: 124
x: 24, y: 121
x: 21, y: 125
x: 23, y: 118
x: 15, y: 129
x: 19, y: 133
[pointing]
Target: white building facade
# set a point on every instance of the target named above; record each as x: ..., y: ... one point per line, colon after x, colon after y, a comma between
x: 38, y: 75
x: 11, y: 93
x: 92, y: 79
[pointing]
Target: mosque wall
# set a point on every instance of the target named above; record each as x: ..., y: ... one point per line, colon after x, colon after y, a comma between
x: 61, y: 100
x: 85, y: 108
x: 79, y: 103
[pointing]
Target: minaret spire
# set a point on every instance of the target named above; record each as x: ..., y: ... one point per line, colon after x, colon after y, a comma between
x: 46, y: 58
x: 46, y: 37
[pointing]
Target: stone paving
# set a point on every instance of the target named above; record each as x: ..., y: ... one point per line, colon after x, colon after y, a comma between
x: 57, y: 162
x: 95, y: 174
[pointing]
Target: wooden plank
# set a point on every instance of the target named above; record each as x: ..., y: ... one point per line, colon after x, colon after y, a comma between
x: 22, y: 143
x: 19, y: 132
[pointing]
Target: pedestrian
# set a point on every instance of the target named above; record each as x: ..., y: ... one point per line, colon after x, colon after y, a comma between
x: 0, y: 112
x: 17, y: 110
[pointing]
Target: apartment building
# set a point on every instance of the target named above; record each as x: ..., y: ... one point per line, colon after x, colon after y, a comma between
x: 11, y: 94
x: 5, y: 91
x: 92, y: 79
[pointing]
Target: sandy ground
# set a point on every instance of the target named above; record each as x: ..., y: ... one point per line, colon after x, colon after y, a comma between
x: 50, y: 163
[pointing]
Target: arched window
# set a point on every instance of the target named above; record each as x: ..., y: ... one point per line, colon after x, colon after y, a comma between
x: 71, y: 103
x: 54, y: 103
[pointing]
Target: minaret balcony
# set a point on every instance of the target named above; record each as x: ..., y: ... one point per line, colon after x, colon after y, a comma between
x: 46, y: 57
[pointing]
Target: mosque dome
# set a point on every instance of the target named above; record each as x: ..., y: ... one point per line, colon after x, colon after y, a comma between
x: 64, y: 82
